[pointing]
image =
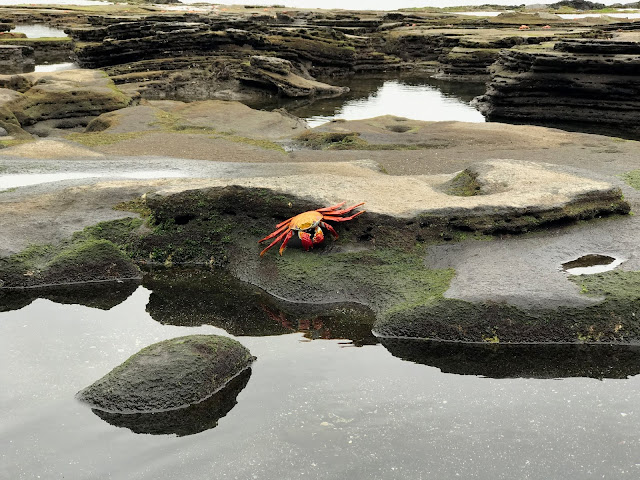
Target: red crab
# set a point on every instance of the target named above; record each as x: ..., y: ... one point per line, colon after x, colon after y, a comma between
x: 308, y: 223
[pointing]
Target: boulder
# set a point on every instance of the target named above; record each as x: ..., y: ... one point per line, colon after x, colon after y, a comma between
x: 169, y: 375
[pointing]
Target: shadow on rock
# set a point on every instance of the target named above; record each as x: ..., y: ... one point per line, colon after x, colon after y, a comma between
x: 102, y: 295
x: 185, y: 421
x: 520, y: 361
x: 194, y: 297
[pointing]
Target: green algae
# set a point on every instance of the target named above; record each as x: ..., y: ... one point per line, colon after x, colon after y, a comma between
x: 632, y: 178
x: 353, y: 141
x: 93, y: 254
x: 464, y: 184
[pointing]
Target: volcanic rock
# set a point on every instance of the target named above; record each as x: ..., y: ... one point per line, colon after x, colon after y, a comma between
x: 169, y: 375
x: 590, y: 81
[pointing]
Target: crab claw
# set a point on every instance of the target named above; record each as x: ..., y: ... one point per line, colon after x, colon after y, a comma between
x: 318, y: 236
x: 305, y: 238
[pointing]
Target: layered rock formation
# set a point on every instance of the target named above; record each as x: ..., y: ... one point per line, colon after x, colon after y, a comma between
x: 16, y: 59
x: 590, y: 81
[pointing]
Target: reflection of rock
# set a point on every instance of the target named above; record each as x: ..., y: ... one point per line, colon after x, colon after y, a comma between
x: 193, y: 297
x: 515, y: 361
x: 102, y: 295
x: 169, y: 375
x: 185, y: 421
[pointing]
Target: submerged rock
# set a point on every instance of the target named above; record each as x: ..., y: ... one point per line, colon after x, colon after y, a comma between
x: 169, y: 375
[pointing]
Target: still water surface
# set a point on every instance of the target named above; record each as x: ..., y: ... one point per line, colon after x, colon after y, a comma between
x: 320, y: 409
x: 415, y: 97
x: 39, y: 31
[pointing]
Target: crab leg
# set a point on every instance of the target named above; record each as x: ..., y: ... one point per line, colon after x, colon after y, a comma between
x: 326, y: 209
x: 276, y: 241
x: 330, y: 228
x: 346, y: 210
x: 342, y: 219
x: 283, y: 223
x: 285, y: 241
x: 277, y: 232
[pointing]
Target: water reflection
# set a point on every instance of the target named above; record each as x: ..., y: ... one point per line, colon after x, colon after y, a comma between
x: 520, y: 361
x: 415, y: 97
x: 185, y: 421
x: 39, y: 31
x: 101, y: 295
x: 590, y: 264
x: 194, y: 297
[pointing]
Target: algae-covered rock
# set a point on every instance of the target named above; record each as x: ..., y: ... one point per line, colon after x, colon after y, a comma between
x: 86, y: 260
x: 94, y: 254
x: 69, y: 93
x: 169, y: 375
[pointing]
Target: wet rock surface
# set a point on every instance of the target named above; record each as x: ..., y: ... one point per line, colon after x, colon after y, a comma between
x: 169, y: 375
x: 189, y: 420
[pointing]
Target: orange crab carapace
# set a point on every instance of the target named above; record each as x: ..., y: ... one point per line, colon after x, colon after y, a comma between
x: 309, y: 226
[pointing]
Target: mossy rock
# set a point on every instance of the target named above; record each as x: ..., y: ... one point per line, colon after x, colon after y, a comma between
x: 89, y: 256
x: 611, y: 321
x: 169, y: 375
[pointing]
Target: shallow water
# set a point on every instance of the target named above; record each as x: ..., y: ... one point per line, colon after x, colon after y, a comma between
x: 55, y: 67
x: 39, y: 31
x: 311, y: 409
x: 591, y: 264
x: 415, y: 97
x: 15, y: 180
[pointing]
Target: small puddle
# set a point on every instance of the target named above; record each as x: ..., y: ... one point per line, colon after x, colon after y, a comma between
x: 39, y: 31
x: 590, y: 264
x: 55, y: 67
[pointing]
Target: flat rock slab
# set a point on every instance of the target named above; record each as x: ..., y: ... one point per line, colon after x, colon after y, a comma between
x: 169, y: 375
x: 43, y: 149
x: 507, y: 186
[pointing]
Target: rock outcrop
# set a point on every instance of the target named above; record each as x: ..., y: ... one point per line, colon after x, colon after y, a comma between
x: 61, y: 95
x: 589, y: 81
x: 16, y: 59
x: 169, y: 375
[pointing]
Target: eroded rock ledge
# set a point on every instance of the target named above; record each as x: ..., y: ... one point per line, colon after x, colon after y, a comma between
x: 589, y: 81
x: 378, y: 260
